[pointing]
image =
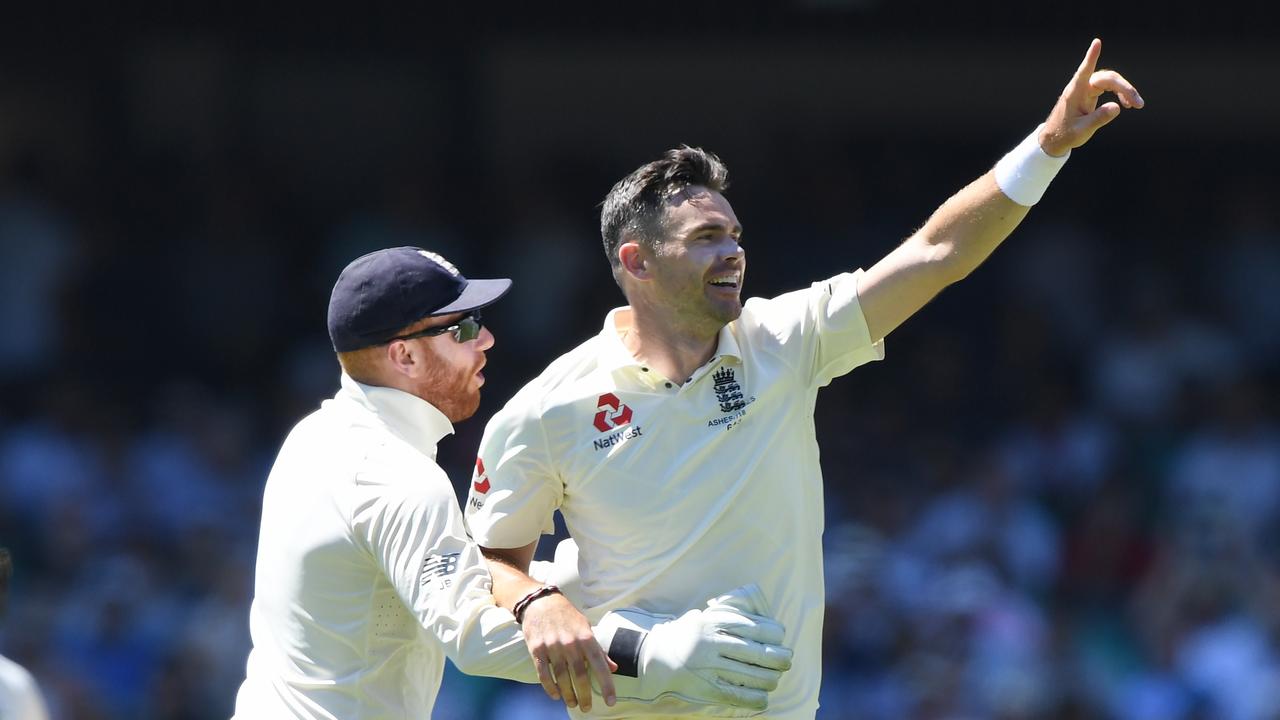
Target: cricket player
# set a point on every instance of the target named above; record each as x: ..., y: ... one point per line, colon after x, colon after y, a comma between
x: 679, y: 442
x: 366, y: 579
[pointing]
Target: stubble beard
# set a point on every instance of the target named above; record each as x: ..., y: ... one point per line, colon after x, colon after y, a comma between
x: 716, y: 312
x: 448, y: 388
x: 726, y: 312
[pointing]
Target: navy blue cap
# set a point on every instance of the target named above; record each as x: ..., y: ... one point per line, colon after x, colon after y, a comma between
x: 378, y: 294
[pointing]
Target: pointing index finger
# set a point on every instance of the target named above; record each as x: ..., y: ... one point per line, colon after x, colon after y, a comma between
x: 1089, y: 63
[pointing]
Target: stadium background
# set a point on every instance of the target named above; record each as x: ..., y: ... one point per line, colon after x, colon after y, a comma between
x: 1057, y: 497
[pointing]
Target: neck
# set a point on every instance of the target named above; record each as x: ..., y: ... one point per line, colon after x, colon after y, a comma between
x: 388, y: 378
x: 666, y: 343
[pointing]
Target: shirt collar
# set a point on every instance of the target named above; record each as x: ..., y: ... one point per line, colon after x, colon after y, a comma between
x: 616, y: 355
x: 415, y: 420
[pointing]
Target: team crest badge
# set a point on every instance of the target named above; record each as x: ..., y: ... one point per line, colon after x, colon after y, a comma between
x: 728, y: 391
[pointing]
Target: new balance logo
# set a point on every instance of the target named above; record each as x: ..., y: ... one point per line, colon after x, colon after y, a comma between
x: 439, y: 566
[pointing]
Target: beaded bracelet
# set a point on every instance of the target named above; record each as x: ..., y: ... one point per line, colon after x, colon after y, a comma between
x: 525, y: 601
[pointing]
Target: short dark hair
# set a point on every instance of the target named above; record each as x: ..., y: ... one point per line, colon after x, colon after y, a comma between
x: 635, y: 204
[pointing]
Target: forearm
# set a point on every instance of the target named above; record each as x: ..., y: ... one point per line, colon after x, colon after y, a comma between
x: 490, y: 643
x: 959, y: 235
x: 510, y: 570
x: 967, y: 228
x: 510, y: 584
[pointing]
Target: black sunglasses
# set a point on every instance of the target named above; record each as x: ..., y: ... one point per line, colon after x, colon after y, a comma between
x: 466, y: 329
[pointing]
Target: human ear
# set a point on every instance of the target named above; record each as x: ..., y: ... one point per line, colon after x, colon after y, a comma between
x: 632, y: 257
x: 400, y: 357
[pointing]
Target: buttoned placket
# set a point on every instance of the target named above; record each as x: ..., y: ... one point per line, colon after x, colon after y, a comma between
x: 654, y: 381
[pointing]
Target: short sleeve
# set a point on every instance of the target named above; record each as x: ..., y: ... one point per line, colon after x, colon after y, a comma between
x: 515, y: 490
x: 821, y: 329
x: 416, y: 534
x: 844, y: 341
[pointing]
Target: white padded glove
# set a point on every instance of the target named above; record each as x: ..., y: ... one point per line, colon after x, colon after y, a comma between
x: 722, y: 660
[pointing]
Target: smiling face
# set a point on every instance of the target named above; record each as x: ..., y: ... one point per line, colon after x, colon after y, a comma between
x: 698, y: 269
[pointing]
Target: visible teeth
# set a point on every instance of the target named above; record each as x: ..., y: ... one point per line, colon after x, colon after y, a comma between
x: 725, y: 280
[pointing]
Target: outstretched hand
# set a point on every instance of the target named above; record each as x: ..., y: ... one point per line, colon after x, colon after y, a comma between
x: 1076, y: 116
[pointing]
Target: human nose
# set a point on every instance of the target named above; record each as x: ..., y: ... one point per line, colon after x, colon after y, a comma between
x: 731, y: 251
x: 485, y: 339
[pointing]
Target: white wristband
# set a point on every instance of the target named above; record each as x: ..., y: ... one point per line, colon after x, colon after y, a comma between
x: 1025, y: 173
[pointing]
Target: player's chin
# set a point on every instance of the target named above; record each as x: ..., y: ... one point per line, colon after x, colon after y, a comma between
x: 726, y: 310
x: 463, y: 405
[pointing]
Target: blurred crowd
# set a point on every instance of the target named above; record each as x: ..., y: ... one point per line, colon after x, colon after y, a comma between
x: 1058, y: 496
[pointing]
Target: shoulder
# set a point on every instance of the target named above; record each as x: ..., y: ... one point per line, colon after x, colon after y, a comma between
x: 787, y: 308
x: 357, y: 453
x: 328, y: 443
x: 564, y: 381
x: 393, y: 465
x: 798, y: 310
x: 768, y: 323
x: 328, y: 429
x: 396, y: 481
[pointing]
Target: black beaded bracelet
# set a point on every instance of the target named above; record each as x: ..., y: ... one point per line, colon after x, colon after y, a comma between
x: 527, y: 600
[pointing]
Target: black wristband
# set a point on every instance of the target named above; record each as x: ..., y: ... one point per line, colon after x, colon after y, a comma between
x: 624, y: 650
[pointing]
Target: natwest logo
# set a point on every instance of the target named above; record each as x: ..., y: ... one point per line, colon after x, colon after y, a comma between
x: 481, y: 483
x: 612, y: 413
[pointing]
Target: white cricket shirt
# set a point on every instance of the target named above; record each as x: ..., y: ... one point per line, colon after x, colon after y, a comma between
x: 674, y: 493
x: 365, y: 577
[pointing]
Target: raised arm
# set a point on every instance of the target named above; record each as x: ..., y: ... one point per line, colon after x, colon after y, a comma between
x: 964, y: 231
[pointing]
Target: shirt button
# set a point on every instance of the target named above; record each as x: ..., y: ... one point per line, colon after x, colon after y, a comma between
x: 644, y: 369
x: 668, y: 384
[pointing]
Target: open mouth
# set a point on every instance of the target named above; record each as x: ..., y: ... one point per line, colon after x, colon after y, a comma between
x: 727, y: 280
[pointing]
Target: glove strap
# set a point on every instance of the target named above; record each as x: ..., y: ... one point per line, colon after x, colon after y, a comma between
x: 625, y: 651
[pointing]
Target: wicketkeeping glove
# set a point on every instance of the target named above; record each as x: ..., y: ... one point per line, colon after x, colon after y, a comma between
x: 722, y: 660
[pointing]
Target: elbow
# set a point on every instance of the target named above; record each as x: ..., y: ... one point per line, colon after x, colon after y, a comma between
x: 468, y: 664
x: 946, y: 264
